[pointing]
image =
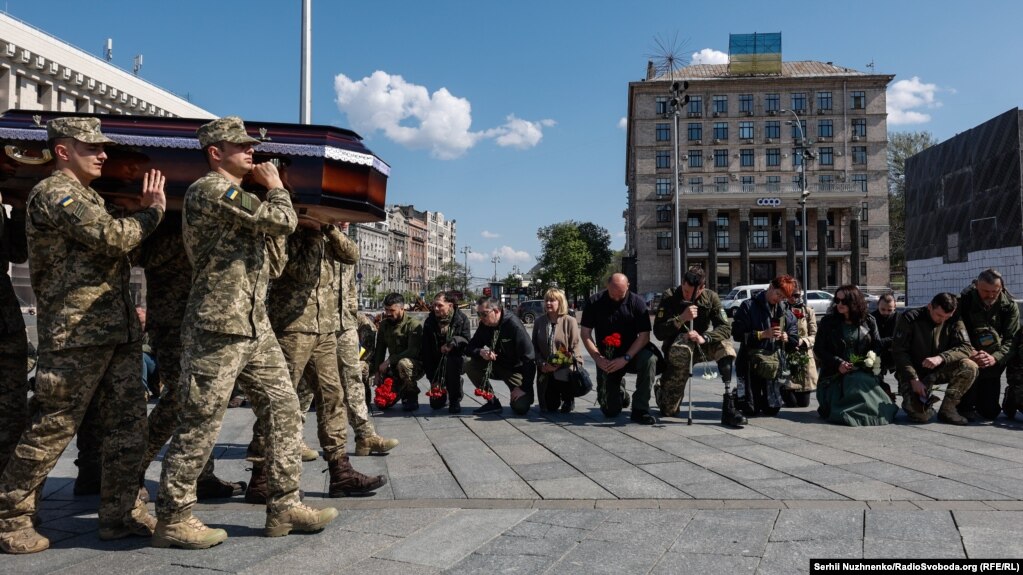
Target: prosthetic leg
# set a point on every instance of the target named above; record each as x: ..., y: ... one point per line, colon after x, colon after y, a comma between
x: 730, y: 414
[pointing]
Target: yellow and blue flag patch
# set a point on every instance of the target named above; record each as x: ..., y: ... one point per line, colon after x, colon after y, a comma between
x: 231, y: 194
x: 67, y: 201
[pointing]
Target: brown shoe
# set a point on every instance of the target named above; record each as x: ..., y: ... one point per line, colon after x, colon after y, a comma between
x: 141, y: 524
x: 257, y: 491
x: 308, y: 453
x: 188, y: 534
x: 23, y: 541
x: 345, y: 480
x: 374, y: 444
x: 213, y: 487
x: 301, y: 518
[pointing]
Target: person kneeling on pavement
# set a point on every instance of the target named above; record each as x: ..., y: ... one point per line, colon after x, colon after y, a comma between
x: 691, y: 321
x: 400, y: 336
x: 620, y: 319
x: 932, y: 348
x: 445, y: 337
x: 501, y: 349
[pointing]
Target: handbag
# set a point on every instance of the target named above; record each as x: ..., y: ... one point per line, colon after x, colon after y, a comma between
x: 764, y: 364
x: 579, y: 381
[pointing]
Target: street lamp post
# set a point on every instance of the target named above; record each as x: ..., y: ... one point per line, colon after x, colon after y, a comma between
x: 803, y: 191
x: 465, y: 284
x: 495, y: 260
x: 678, y: 100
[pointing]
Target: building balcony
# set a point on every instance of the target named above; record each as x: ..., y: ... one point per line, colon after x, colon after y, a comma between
x: 781, y: 190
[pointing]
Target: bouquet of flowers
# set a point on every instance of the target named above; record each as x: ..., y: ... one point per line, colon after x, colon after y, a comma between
x: 436, y: 390
x: 868, y: 362
x: 384, y: 395
x: 799, y: 362
x: 612, y: 343
x: 561, y: 358
x: 485, y: 394
x: 799, y: 313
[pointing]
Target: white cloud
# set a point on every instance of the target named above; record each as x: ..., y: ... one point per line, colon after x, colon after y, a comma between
x: 411, y: 116
x: 906, y: 97
x: 623, y: 123
x: 708, y: 56
x: 510, y: 255
x: 489, y: 234
x: 477, y: 257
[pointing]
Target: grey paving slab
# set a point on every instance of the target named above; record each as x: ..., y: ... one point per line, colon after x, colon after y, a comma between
x: 705, y: 564
x: 634, y: 483
x: 423, y: 475
x: 941, y: 488
x: 815, y: 524
x: 461, y: 532
x: 871, y: 490
x: 395, y: 522
x: 787, y: 557
x: 374, y: 566
x: 628, y: 448
x: 477, y: 469
x: 791, y: 488
x: 1005, y: 482
x: 771, y: 457
x: 577, y: 487
x: 654, y: 527
x: 874, y: 548
x: 327, y: 552
x: 612, y: 558
x: 727, y: 532
x: 557, y: 469
x: 995, y: 534
x: 920, y: 526
x: 812, y: 451
x: 568, y: 518
x: 512, y: 564
x: 698, y: 482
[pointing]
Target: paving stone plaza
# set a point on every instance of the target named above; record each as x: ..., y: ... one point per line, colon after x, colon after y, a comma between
x: 575, y: 493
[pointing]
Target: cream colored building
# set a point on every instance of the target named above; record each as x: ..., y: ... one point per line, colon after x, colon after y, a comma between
x: 739, y: 151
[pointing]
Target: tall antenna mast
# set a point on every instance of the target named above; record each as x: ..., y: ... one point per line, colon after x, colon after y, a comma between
x: 306, y: 106
x: 109, y: 50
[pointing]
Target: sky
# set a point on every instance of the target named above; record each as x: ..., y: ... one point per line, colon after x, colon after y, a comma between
x: 509, y: 116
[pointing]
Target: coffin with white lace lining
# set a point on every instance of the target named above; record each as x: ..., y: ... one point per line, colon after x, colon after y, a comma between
x: 331, y: 175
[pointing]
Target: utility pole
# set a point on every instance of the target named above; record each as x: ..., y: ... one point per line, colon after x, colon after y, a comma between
x: 306, y: 106
x: 465, y: 284
x: 678, y: 101
x: 495, y: 260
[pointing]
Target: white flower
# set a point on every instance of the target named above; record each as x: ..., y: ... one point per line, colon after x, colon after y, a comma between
x: 871, y: 355
x: 868, y: 361
x: 877, y: 370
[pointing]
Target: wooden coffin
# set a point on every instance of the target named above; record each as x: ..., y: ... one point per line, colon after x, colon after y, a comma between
x: 330, y: 174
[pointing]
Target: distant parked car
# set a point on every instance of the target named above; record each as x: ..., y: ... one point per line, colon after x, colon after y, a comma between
x: 26, y: 308
x: 739, y: 294
x: 530, y: 309
x: 819, y: 300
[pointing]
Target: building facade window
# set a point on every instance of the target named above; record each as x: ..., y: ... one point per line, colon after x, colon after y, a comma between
x: 694, y: 232
x: 859, y: 154
x: 695, y: 106
x: 858, y: 100
x: 864, y: 239
x: 722, y: 232
x: 748, y: 184
x: 826, y: 183
x: 823, y: 100
x: 798, y: 130
x: 825, y: 129
x: 664, y: 213
x: 760, y: 236
x: 799, y: 101
x: 745, y: 130
x: 664, y: 240
x: 772, y: 129
x: 720, y: 103
x: 864, y: 211
x: 797, y: 157
x: 696, y: 184
x: 663, y: 187
x: 663, y: 159
x: 663, y: 132
x: 827, y: 156
x: 772, y: 102
x: 720, y: 184
x: 721, y: 131
x: 720, y: 158
x: 746, y: 157
x: 746, y: 104
x: 860, y: 179
x: 661, y: 105
x: 859, y: 127
x: 774, y: 156
x: 695, y: 131
x: 695, y: 158
x: 774, y: 183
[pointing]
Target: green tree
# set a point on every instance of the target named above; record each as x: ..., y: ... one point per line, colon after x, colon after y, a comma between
x: 564, y: 256
x: 901, y: 145
x: 512, y: 281
x: 452, y: 277
x: 598, y: 243
x: 373, y: 289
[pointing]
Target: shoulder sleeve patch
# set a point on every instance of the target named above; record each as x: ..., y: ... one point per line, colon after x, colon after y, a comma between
x: 66, y: 201
x: 231, y: 194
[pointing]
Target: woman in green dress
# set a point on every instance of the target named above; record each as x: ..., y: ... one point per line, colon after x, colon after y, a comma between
x: 849, y: 390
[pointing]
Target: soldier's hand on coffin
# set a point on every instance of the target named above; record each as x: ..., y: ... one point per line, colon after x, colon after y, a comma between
x: 266, y: 175
x: 152, y: 190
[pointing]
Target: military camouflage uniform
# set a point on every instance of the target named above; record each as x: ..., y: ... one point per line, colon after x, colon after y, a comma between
x: 402, y: 341
x: 991, y: 329
x: 226, y: 336
x: 367, y: 332
x: 13, y: 340
x: 711, y: 322
x: 303, y: 308
x: 917, y: 338
x: 348, y: 353
x: 89, y: 343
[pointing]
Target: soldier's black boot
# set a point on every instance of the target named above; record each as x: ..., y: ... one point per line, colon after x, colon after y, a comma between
x: 730, y: 414
x: 88, y: 480
x: 345, y: 480
x: 257, y: 491
x: 213, y: 487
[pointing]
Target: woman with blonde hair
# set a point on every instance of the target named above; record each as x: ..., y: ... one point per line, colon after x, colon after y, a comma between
x: 558, y: 346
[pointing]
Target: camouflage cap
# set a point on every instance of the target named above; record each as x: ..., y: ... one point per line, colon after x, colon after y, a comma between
x: 227, y: 129
x: 82, y: 129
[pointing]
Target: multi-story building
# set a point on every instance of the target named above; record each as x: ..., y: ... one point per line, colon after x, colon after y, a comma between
x: 418, y: 230
x: 397, y: 251
x: 441, y: 246
x: 371, y: 271
x: 740, y: 157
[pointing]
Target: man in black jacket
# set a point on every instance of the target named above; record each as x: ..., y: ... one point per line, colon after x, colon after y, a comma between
x: 886, y: 316
x: 764, y: 326
x: 501, y: 349
x: 445, y: 337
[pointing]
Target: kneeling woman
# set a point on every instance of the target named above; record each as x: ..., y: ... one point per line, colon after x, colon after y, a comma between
x: 849, y: 391
x: 767, y: 330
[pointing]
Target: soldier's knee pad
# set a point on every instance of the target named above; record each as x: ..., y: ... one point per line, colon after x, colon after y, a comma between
x: 970, y: 367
